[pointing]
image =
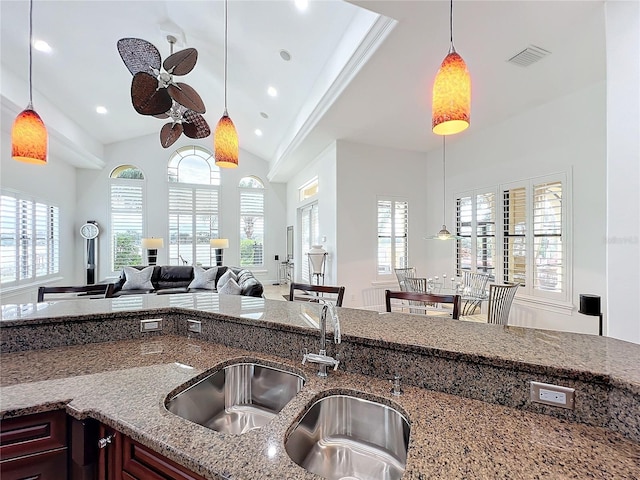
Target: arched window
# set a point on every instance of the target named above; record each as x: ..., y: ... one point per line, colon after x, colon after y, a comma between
x: 251, y: 222
x: 194, y: 181
x: 126, y: 197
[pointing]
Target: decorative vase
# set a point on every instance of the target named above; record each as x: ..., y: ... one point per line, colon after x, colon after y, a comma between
x: 317, y: 256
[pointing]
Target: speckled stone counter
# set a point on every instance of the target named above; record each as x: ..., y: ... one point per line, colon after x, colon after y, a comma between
x: 124, y: 385
x: 485, y: 362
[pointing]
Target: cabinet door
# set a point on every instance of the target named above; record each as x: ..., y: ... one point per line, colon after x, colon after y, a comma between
x: 51, y: 465
x: 143, y: 463
x: 31, y: 434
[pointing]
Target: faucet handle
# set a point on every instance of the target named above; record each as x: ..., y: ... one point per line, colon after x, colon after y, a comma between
x: 396, y: 390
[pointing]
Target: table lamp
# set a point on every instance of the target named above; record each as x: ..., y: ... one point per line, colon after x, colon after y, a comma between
x: 219, y: 244
x: 152, y: 245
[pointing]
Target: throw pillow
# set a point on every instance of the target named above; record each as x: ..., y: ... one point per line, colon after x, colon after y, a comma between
x: 230, y: 288
x: 226, y: 276
x: 204, y: 278
x: 138, y: 279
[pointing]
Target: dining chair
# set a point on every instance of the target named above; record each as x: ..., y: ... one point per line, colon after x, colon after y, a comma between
x: 104, y: 290
x: 474, y: 284
x: 500, y: 300
x: 332, y: 293
x: 426, y: 299
x: 402, y: 274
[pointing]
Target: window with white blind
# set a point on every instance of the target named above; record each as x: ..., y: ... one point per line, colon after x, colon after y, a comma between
x: 393, y: 235
x: 527, y: 229
x: 126, y: 195
x: 476, y: 227
x: 30, y: 240
x: 309, y: 231
x: 251, y: 222
x: 194, y: 182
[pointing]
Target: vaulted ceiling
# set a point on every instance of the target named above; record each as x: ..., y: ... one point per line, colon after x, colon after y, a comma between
x: 360, y: 71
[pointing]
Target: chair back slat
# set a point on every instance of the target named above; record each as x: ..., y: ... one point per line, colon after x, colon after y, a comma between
x: 424, y: 298
x: 500, y: 300
x: 332, y: 293
x: 402, y: 274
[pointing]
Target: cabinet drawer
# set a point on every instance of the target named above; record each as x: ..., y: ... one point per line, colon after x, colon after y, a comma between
x: 32, y: 434
x: 50, y: 465
x: 141, y: 462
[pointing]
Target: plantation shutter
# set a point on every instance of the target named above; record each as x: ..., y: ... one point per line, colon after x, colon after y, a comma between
x: 514, y: 268
x: 485, y: 233
x: 252, y: 227
x: 393, y: 234
x: 548, y: 268
x: 126, y: 223
x: 464, y: 215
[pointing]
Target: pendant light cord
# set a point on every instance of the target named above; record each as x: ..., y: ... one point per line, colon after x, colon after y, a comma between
x: 30, y: 53
x: 451, y: 47
x: 444, y: 181
x: 225, y: 57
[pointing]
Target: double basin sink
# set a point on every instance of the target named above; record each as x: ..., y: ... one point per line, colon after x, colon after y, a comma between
x: 337, y: 437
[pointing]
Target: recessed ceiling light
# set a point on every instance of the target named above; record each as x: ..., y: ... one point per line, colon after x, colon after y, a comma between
x: 302, y: 4
x: 258, y: 132
x: 286, y: 56
x: 272, y: 92
x: 42, y: 46
x: 264, y: 115
x: 100, y: 109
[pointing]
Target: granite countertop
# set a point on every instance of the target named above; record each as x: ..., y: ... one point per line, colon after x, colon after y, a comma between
x: 586, y: 357
x: 124, y: 385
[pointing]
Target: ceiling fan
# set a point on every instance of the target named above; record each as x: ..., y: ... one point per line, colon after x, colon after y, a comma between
x: 154, y: 91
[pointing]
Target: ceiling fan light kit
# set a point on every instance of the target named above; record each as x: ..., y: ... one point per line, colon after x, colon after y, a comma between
x: 451, y: 92
x: 29, y: 138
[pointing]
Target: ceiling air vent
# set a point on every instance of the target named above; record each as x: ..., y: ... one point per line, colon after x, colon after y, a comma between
x: 529, y: 55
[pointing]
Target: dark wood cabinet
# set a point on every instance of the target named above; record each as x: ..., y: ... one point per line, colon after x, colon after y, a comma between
x: 34, y: 446
x: 125, y: 459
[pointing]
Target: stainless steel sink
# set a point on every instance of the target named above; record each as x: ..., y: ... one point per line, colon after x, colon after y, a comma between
x: 238, y: 398
x: 346, y: 437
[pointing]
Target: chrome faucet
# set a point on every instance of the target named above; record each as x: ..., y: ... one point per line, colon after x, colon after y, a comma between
x: 321, y: 358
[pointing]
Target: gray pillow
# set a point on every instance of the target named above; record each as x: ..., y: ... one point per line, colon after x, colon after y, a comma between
x: 230, y: 288
x: 225, y: 277
x: 138, y: 279
x: 204, y: 278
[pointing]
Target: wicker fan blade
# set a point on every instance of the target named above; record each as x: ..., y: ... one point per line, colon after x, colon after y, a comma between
x: 182, y: 62
x: 139, y: 55
x: 196, y: 126
x: 145, y: 98
x: 169, y: 134
x: 187, y: 97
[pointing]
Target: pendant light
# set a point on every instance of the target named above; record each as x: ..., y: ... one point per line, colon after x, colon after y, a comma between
x: 225, y: 137
x: 444, y: 233
x: 451, y: 92
x: 29, y: 135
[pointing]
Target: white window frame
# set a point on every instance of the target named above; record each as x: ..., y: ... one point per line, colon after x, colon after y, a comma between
x: 245, y: 192
x: 396, y: 259
x: 132, y: 184
x: 30, y: 261
x: 560, y: 301
x: 198, y: 210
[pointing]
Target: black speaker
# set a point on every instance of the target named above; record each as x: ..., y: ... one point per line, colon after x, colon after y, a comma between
x: 589, y: 304
x: 277, y: 258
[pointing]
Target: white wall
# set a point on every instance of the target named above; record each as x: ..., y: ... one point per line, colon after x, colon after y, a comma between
x: 363, y: 173
x: 147, y: 154
x: 567, y: 135
x: 323, y: 167
x: 54, y: 183
x: 623, y: 170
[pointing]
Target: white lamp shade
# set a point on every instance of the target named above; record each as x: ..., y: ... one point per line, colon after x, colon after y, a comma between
x: 152, y: 243
x: 219, y: 243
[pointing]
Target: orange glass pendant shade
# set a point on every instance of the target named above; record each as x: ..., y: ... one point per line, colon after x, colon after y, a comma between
x: 29, y: 138
x: 225, y: 143
x: 451, y: 96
